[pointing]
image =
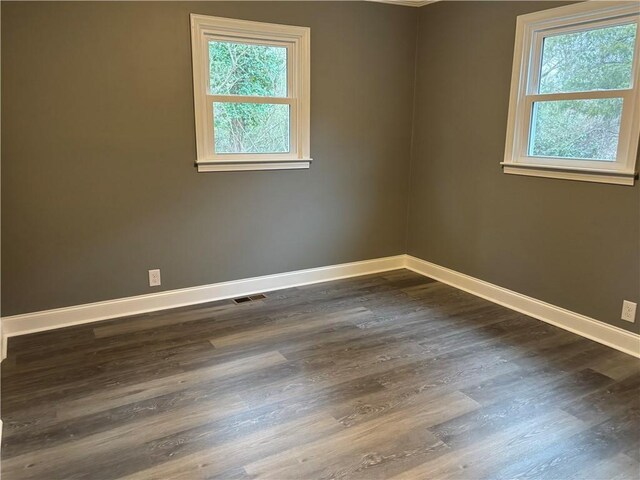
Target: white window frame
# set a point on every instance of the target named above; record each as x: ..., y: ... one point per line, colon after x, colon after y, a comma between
x: 297, y: 41
x: 531, y: 29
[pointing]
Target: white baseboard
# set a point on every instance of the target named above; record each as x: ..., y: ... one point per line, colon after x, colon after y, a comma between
x: 614, y: 337
x: 121, y: 307
x: 582, y: 325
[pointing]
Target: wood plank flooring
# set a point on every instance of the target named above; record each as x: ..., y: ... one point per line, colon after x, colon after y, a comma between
x: 387, y: 376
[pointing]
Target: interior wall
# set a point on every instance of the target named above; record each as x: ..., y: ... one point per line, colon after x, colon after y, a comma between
x: 572, y: 244
x: 99, y: 183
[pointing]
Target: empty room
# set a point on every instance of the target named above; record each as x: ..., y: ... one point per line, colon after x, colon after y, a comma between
x: 300, y: 240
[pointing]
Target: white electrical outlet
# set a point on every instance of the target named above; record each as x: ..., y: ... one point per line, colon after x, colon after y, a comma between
x: 154, y: 278
x: 629, y: 311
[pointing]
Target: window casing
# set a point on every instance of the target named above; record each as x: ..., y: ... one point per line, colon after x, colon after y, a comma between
x: 531, y: 97
x: 215, y: 108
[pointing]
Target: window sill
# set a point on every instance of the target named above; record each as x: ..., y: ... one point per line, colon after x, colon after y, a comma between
x: 258, y: 165
x: 567, y: 173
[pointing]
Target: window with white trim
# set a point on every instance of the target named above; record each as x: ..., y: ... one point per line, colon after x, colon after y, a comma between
x: 251, y: 94
x: 575, y: 105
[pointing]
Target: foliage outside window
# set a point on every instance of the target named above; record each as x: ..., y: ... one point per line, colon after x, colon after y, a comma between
x: 574, y: 95
x: 251, y: 92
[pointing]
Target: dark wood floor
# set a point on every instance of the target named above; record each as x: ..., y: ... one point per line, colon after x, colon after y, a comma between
x: 384, y: 376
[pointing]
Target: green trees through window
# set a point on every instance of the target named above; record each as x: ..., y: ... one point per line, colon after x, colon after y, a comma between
x: 576, y: 128
x: 249, y: 70
x: 597, y: 59
x: 584, y: 61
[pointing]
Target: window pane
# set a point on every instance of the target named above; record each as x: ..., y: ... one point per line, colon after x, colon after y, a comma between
x: 578, y: 129
x: 598, y: 59
x: 251, y: 127
x: 243, y: 69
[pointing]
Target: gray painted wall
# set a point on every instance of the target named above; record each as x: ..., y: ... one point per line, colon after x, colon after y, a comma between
x: 98, y: 183
x: 572, y: 244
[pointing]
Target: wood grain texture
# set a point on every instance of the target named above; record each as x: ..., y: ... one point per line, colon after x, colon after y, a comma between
x: 390, y: 375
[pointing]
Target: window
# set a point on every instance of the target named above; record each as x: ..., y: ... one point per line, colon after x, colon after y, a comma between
x: 251, y: 94
x: 574, y: 105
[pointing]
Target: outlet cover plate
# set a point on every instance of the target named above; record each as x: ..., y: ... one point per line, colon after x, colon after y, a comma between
x: 154, y: 278
x: 629, y: 311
